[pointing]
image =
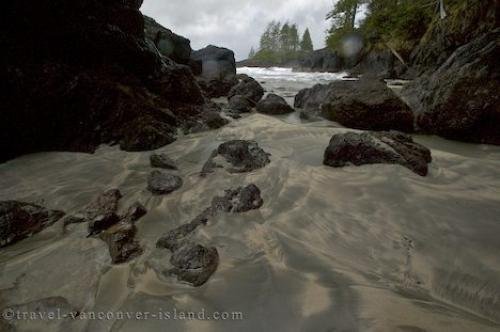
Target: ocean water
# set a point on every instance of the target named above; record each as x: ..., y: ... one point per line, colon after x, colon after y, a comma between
x: 370, y: 248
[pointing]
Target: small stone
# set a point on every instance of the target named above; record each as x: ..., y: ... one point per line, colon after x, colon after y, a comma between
x: 160, y: 183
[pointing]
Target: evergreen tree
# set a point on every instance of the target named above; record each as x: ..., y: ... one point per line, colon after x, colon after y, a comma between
x: 294, y: 38
x: 252, y: 53
x: 306, y: 44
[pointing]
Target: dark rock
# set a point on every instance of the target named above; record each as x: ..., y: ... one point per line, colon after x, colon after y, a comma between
x: 323, y: 60
x: 461, y: 99
x: 160, y: 183
x: 274, y: 105
x: 19, y: 220
x: 149, y: 134
x: 244, y: 156
x: 104, y: 204
x: 365, y: 104
x: 162, y: 161
x: 102, y: 222
x: 102, y: 212
x: 248, y: 88
x: 210, y: 119
x: 238, y: 200
x: 368, y: 105
x: 376, y: 148
x: 311, y: 99
x: 471, y: 20
x: 168, y: 43
x: 215, y: 88
x: 194, y: 263
x: 240, y: 104
x: 177, y: 237
x: 217, y: 62
x: 87, y: 76
x: 135, y: 212
x: 121, y: 242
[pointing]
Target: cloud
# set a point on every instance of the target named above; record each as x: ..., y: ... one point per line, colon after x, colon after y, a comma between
x: 237, y: 24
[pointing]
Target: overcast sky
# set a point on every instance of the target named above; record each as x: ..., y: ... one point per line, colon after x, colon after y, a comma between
x: 237, y: 24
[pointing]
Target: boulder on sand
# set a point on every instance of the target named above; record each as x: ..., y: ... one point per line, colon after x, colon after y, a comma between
x: 367, y: 104
x: 239, y: 104
x: 248, y: 88
x: 160, y: 183
x: 274, y: 105
x: 243, y: 156
x: 377, y: 148
x: 19, y: 220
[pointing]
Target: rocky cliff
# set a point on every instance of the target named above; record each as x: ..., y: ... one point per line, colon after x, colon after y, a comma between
x: 76, y: 74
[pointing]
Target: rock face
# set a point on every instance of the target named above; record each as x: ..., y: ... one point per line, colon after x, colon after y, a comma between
x: 161, y: 183
x: 274, y: 105
x: 217, y: 62
x: 19, y: 220
x: 366, y: 104
x: 471, y: 20
x: 162, y: 161
x: 377, y: 148
x: 76, y: 74
x: 168, y: 43
x: 461, y: 99
x: 248, y: 88
x: 243, y: 156
x: 192, y: 262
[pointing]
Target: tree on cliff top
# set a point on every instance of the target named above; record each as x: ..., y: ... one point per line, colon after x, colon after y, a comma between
x: 306, y: 44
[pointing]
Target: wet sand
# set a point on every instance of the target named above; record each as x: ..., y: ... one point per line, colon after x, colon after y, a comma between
x: 371, y: 248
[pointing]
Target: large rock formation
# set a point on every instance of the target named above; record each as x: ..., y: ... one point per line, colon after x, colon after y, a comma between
x: 323, y: 60
x: 217, y: 62
x: 469, y: 20
x: 169, y: 44
x: 76, y: 74
x: 460, y: 99
x: 377, y: 148
x: 365, y: 104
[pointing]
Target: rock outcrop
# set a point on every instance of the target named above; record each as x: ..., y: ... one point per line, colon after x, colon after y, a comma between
x: 242, y: 156
x: 274, y: 105
x: 19, y: 220
x: 461, y: 98
x: 169, y: 44
x: 77, y: 74
x: 365, y: 104
x: 323, y: 60
x: 377, y: 148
